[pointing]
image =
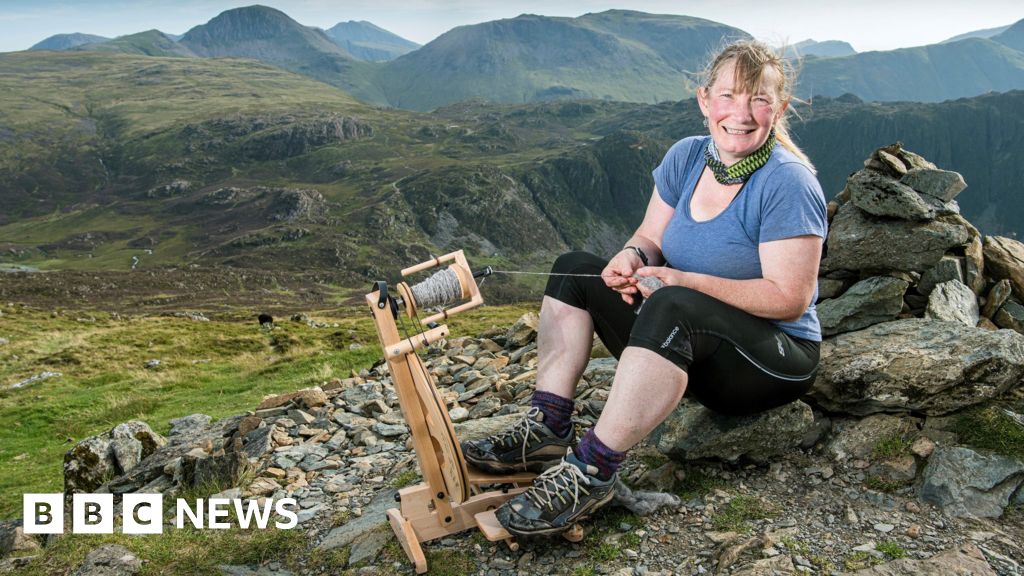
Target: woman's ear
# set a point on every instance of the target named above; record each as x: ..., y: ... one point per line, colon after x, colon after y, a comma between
x: 702, y: 100
x: 782, y: 110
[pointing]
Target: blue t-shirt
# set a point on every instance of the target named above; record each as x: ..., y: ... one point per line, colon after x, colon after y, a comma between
x: 781, y: 200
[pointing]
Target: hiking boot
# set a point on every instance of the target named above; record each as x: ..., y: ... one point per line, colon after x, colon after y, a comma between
x: 560, y: 497
x: 527, y: 445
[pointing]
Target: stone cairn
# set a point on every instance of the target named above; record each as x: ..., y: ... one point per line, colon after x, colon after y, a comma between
x: 911, y: 300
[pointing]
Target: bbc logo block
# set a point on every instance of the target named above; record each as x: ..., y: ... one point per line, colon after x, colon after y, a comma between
x: 144, y: 513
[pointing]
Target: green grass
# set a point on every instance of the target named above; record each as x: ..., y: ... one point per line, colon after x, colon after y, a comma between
x: 735, y: 514
x: 891, y: 446
x: 891, y: 549
x: 880, y: 484
x: 697, y: 483
x: 990, y: 428
x: 185, y: 551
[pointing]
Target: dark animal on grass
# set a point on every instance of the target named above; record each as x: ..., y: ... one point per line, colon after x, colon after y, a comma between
x: 266, y: 320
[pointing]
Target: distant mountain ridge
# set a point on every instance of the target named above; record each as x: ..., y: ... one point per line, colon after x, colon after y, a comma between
x: 66, y: 41
x: 148, y: 43
x: 369, y: 42
x: 619, y: 55
x: 614, y: 55
x: 825, y: 49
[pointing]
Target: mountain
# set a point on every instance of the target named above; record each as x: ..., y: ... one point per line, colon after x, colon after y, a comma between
x: 986, y: 33
x: 615, y: 55
x: 923, y: 74
x: 149, y: 43
x: 237, y: 163
x: 270, y: 36
x: 67, y: 41
x: 369, y: 42
x: 826, y: 49
x: 1012, y: 36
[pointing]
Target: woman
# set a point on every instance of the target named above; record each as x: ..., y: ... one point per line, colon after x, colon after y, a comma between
x: 733, y: 234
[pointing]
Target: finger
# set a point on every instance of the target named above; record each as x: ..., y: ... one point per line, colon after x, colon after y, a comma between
x: 628, y: 299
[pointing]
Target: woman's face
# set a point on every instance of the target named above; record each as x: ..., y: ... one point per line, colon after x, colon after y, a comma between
x: 739, y: 122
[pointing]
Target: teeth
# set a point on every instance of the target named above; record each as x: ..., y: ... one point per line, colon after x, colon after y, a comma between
x: 738, y: 132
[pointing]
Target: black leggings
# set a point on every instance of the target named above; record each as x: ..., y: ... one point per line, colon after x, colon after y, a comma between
x: 737, y: 363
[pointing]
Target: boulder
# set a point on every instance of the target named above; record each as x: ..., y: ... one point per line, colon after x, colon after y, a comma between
x: 14, y: 539
x: 943, y: 185
x: 1004, y: 258
x: 974, y: 264
x: 94, y: 460
x: 997, y: 296
x: 877, y: 194
x: 928, y: 366
x: 859, y: 437
x: 110, y: 560
x: 964, y: 482
x: 692, y: 432
x: 967, y: 560
x: 1011, y: 315
x: 374, y: 517
x: 187, y: 425
x: 859, y: 241
x: 953, y: 301
x: 827, y: 288
x: 524, y: 331
x: 946, y: 269
x: 871, y: 301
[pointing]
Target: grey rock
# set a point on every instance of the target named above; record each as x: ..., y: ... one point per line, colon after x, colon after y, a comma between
x: 946, y: 269
x: 350, y: 421
x: 693, y: 432
x: 189, y: 424
x: 997, y: 296
x: 390, y: 430
x: 14, y: 539
x: 942, y: 185
x: 877, y: 194
x: 219, y: 470
x: 524, y: 331
x: 258, y: 442
x: 1011, y: 316
x: 126, y: 452
x: 373, y: 518
x: 109, y: 560
x: 857, y: 437
x: 967, y: 560
x: 458, y: 414
x: 251, y: 571
x: 916, y: 365
x: 485, y: 407
x: 871, y: 301
x: 830, y: 288
x: 362, y: 393
x: 859, y: 241
x: 366, y: 546
x: 953, y: 301
x: 472, y: 429
x: 153, y: 466
x: 964, y: 482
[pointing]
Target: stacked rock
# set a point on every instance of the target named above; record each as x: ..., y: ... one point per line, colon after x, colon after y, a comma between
x: 899, y: 248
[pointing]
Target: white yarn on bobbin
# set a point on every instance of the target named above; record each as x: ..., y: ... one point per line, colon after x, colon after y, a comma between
x: 438, y: 290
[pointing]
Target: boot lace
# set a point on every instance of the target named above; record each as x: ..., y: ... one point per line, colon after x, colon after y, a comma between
x: 564, y: 482
x: 521, y: 433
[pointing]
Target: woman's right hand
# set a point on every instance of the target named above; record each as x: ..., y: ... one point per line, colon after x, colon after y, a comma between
x: 618, y: 274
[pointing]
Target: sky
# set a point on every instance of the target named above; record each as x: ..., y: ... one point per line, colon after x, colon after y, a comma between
x: 865, y: 24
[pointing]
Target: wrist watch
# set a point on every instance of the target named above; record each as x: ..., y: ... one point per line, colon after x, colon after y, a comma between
x: 639, y: 252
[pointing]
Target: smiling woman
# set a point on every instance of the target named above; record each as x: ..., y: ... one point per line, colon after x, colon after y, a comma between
x: 732, y: 234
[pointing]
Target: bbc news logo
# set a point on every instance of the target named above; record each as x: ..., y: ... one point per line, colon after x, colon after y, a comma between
x: 144, y: 513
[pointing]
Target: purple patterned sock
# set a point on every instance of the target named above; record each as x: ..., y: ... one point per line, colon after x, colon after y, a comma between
x: 591, y: 450
x: 557, y: 411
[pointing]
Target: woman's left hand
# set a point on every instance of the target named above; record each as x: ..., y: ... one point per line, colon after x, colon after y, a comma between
x: 669, y: 276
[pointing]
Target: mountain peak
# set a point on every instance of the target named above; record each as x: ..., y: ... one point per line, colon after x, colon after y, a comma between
x: 1012, y: 36
x: 67, y: 41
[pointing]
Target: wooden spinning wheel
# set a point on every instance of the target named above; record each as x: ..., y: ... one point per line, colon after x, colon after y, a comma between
x: 452, y: 497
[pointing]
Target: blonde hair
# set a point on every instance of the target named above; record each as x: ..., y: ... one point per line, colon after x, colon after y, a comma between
x: 752, y: 58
